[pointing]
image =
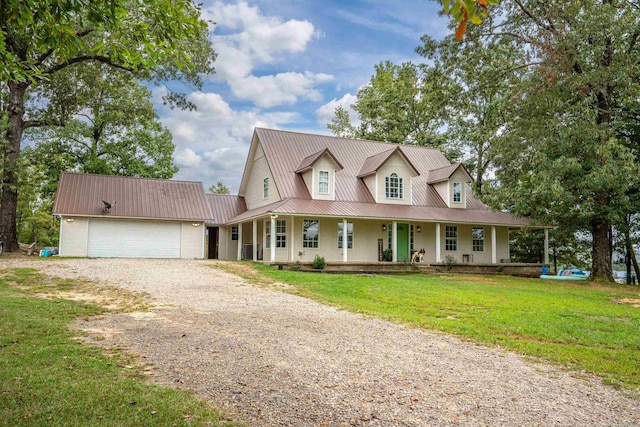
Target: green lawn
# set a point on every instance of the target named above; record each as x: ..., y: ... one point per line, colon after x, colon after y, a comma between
x: 49, y: 377
x: 583, y: 326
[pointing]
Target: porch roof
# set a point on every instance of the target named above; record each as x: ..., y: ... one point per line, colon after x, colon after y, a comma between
x: 342, y: 209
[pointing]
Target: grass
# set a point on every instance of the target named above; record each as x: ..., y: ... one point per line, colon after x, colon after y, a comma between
x: 50, y: 377
x: 583, y: 326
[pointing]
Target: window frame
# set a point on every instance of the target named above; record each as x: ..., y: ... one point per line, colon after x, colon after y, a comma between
x: 235, y: 235
x: 265, y: 188
x: 349, y: 235
x: 394, y: 187
x: 477, y: 244
x: 457, y: 194
x: 310, y: 243
x: 451, y: 238
x: 321, y: 182
x: 281, y: 236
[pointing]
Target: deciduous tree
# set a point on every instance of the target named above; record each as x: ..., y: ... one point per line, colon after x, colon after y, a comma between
x: 156, y: 39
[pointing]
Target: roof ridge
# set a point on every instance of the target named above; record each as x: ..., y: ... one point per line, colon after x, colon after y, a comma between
x: 132, y: 177
x: 348, y: 139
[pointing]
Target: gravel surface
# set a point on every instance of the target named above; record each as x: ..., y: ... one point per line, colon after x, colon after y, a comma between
x: 274, y: 359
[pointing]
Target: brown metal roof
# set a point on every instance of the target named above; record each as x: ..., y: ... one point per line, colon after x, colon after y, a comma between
x: 224, y: 207
x: 373, y: 163
x: 83, y: 194
x: 304, y: 207
x: 309, y: 161
x: 285, y: 150
x: 442, y: 174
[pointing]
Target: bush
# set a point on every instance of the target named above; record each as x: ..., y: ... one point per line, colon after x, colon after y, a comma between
x: 449, y: 260
x: 387, y: 255
x: 319, y: 263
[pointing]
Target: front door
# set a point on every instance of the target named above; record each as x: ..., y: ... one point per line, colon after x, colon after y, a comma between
x: 213, y: 242
x: 403, y: 242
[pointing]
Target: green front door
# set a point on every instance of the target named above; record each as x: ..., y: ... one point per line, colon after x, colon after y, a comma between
x: 403, y: 242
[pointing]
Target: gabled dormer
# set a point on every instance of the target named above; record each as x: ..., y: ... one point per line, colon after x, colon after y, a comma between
x: 388, y: 175
x: 319, y: 174
x: 451, y: 184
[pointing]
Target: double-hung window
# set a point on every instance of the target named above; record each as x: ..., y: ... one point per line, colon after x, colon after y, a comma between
x: 477, y: 234
x: 310, y: 231
x: 393, y: 187
x: 451, y: 238
x: 323, y: 182
x: 234, y: 232
x: 457, y: 192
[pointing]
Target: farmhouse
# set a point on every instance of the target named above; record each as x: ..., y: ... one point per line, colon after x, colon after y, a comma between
x: 301, y: 195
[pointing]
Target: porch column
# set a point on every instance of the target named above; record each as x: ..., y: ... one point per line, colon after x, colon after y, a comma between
x: 239, y: 254
x: 344, y: 240
x: 255, y: 240
x: 394, y: 241
x: 272, y: 237
x: 438, y: 243
x: 293, y: 240
x: 546, y: 246
x: 494, y: 255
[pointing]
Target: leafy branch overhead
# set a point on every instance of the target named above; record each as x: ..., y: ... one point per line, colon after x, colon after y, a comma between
x: 464, y: 11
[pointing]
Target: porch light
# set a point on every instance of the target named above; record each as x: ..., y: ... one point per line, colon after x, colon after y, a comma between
x: 274, y: 216
x: 196, y: 224
x: 418, y: 229
x: 384, y: 227
x: 69, y: 219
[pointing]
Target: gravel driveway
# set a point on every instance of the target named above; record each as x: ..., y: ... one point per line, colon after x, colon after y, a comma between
x: 271, y: 358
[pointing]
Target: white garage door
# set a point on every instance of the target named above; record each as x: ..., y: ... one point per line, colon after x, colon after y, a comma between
x: 134, y: 239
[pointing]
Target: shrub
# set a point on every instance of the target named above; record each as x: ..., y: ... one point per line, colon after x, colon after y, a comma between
x: 387, y: 255
x: 319, y: 263
x: 450, y: 260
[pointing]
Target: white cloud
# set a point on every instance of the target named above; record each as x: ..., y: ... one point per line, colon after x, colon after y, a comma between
x: 326, y: 113
x: 212, y: 142
x: 247, y: 39
x: 186, y: 158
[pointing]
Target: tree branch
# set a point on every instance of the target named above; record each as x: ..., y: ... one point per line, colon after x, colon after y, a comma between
x: 84, y: 58
x: 538, y: 22
x: 48, y: 53
x: 42, y: 123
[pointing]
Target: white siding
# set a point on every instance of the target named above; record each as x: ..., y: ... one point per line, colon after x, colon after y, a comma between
x: 73, y: 236
x: 259, y: 171
x: 192, y: 240
x: 395, y: 164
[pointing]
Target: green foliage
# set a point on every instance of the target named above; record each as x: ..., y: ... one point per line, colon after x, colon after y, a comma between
x: 450, y: 260
x: 387, y: 255
x: 319, y: 263
x: 582, y: 326
x: 50, y: 377
x: 219, y: 188
x: 401, y: 104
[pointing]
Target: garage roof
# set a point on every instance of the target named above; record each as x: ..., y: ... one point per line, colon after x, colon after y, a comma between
x: 86, y: 194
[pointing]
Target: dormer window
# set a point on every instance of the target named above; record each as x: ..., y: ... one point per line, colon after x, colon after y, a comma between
x: 394, y: 187
x: 457, y: 192
x: 323, y: 182
x: 265, y: 188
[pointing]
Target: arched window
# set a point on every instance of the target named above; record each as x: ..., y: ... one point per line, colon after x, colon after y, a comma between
x: 393, y: 187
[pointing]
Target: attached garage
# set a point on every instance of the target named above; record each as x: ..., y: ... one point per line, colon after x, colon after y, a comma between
x: 123, y: 217
x: 133, y: 239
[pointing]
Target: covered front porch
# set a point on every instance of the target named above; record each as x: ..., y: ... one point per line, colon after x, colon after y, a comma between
x: 278, y: 238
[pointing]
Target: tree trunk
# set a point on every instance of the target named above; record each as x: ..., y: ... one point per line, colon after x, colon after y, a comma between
x: 601, y: 252
x: 634, y: 261
x: 9, y: 199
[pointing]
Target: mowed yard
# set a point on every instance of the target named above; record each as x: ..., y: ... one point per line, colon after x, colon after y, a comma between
x: 585, y: 326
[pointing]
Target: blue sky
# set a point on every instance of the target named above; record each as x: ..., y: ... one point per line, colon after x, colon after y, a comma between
x: 286, y: 65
